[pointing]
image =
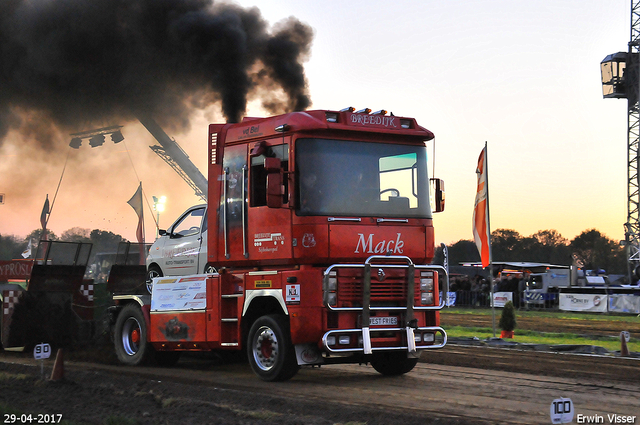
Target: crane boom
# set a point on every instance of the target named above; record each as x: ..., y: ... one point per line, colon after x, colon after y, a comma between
x: 172, y: 154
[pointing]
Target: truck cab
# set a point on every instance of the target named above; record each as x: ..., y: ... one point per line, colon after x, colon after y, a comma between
x: 320, y: 227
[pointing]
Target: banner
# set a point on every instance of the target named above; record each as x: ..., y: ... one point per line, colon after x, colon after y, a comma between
x: 481, y: 231
x: 451, y: 299
x: 624, y: 304
x: 584, y: 302
x: 15, y: 269
x: 179, y: 293
x: 501, y: 298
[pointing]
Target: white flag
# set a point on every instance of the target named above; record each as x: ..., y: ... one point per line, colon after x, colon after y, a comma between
x: 27, y: 252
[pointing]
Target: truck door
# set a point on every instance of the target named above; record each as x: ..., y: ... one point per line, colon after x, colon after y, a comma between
x: 182, y: 248
x: 251, y: 229
x: 232, y: 238
x: 269, y: 223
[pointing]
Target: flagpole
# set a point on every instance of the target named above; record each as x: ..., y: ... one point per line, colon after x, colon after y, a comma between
x: 486, y: 179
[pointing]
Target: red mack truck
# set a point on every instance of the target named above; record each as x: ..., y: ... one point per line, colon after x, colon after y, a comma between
x: 313, y: 249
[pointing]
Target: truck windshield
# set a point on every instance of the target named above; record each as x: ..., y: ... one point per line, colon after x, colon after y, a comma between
x: 347, y: 178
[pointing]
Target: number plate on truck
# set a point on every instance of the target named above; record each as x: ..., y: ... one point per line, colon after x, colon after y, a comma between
x: 373, y: 321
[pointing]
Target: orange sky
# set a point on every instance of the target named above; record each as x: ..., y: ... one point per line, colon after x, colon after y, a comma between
x: 522, y: 76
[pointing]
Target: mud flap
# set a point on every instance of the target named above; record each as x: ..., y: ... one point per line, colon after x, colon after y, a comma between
x: 308, y: 354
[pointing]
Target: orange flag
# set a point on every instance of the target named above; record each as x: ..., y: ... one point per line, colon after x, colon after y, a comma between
x: 481, y: 231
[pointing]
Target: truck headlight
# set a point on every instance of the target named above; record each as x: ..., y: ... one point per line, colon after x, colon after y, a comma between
x: 426, y: 298
x: 426, y: 284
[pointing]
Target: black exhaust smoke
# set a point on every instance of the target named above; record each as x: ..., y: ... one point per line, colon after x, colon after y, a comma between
x: 68, y: 63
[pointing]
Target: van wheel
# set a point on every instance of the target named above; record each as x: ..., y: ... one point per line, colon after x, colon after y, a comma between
x: 153, y: 272
x: 271, y: 354
x: 209, y: 269
x: 393, y: 363
x: 131, y: 336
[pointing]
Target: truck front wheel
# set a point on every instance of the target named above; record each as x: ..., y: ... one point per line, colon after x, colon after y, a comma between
x: 271, y: 354
x: 131, y: 336
x: 392, y: 363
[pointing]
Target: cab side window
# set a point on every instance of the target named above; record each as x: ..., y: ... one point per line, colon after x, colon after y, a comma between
x: 258, y: 184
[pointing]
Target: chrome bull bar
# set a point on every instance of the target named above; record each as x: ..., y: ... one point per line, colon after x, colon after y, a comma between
x: 409, y: 309
x: 367, y: 348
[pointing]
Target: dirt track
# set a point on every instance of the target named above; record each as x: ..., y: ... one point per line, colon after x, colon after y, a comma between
x: 453, y: 385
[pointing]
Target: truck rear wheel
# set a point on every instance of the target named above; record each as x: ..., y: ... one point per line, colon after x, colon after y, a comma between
x: 271, y: 354
x: 392, y: 363
x: 131, y: 336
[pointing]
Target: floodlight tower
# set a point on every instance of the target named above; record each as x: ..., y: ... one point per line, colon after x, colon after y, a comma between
x: 620, y: 73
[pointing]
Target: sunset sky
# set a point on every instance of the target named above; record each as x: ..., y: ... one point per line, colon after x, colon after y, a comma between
x: 522, y: 76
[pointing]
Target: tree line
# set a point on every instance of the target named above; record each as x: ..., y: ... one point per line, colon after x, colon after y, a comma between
x: 590, y: 249
x: 11, y: 247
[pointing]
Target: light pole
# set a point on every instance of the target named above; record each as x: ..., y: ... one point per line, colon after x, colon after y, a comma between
x: 620, y: 80
x: 158, y: 207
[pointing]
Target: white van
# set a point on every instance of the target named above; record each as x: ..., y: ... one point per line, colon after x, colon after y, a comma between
x: 182, y: 248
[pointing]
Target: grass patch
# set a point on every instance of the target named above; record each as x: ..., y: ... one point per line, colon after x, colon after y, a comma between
x: 555, y: 314
x: 167, y: 402
x: 5, y: 375
x: 533, y: 337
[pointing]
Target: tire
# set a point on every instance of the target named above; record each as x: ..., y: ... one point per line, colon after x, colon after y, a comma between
x: 271, y: 354
x: 393, y: 363
x: 154, y: 271
x: 166, y: 358
x: 209, y: 269
x: 131, y: 336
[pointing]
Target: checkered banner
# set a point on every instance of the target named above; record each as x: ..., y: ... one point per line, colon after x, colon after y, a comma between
x: 9, y: 300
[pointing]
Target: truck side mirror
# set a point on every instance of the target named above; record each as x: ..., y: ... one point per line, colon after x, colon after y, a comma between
x: 275, y: 188
x: 437, y: 187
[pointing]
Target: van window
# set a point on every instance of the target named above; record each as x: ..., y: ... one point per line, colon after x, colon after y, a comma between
x: 189, y: 224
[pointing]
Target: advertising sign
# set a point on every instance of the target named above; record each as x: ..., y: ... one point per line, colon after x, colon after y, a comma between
x: 175, y: 293
x: 583, y: 302
x: 624, y: 304
x: 15, y: 269
x: 501, y: 298
x: 451, y: 298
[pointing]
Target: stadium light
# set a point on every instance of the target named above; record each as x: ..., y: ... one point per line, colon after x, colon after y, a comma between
x: 97, y: 136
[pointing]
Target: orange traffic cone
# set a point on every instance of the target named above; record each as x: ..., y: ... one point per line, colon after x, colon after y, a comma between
x: 624, y: 351
x: 58, y: 367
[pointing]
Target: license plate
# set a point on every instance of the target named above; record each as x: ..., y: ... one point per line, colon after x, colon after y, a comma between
x: 378, y: 321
